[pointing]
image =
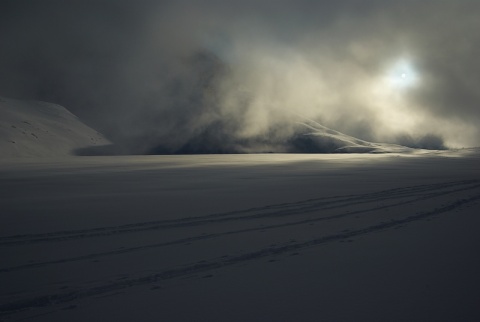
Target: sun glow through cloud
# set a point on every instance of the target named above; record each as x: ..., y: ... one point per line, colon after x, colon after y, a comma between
x: 402, y: 75
x: 390, y: 98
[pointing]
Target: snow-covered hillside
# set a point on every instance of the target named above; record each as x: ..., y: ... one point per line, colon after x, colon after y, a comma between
x: 334, y: 141
x: 33, y: 129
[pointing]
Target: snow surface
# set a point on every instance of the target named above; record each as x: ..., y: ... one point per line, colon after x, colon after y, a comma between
x: 255, y: 237
x: 344, y: 237
x: 40, y: 129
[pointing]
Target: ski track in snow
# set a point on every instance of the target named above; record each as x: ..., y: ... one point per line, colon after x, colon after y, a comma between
x: 284, y: 209
x: 338, y: 208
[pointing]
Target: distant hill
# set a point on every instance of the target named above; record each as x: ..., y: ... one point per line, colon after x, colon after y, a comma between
x: 40, y: 129
x: 326, y: 140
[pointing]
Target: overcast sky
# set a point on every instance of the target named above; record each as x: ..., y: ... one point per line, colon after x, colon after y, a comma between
x: 381, y: 70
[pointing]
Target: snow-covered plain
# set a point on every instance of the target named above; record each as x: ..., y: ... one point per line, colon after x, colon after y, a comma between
x: 264, y: 237
x: 391, y: 235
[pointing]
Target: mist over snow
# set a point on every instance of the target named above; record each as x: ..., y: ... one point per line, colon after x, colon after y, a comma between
x: 250, y: 76
x: 267, y: 160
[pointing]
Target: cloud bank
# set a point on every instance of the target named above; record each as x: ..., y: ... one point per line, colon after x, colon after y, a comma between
x: 216, y: 76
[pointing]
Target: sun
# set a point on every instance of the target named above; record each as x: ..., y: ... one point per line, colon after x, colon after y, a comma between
x: 401, y: 74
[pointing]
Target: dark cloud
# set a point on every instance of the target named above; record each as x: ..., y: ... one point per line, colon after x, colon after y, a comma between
x: 172, y: 76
